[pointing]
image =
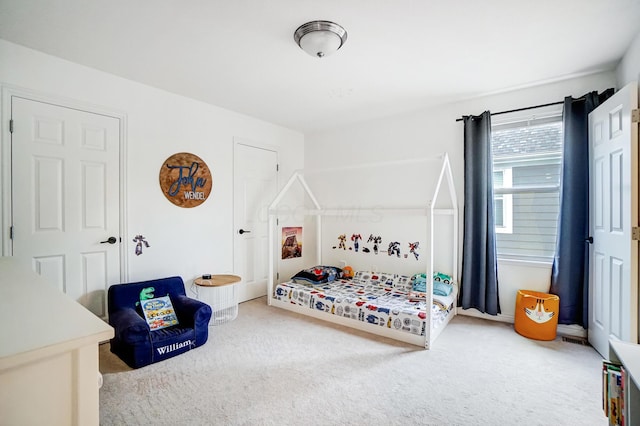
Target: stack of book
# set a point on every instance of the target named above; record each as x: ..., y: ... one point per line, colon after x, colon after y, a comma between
x: 613, y: 397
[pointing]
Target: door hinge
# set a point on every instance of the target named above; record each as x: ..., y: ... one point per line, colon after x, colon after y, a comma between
x: 277, y: 167
x: 277, y: 221
x: 635, y: 233
x: 11, y: 232
x: 635, y: 116
x: 11, y: 126
x: 277, y: 275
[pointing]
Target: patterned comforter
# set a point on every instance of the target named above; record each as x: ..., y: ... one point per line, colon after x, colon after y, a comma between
x: 381, y: 300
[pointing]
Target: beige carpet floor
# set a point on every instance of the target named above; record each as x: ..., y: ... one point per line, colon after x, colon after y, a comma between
x: 274, y: 367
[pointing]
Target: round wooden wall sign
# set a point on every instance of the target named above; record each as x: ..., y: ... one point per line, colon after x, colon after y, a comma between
x: 185, y: 180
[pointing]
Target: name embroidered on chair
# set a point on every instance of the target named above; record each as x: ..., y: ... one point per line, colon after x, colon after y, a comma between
x: 173, y: 347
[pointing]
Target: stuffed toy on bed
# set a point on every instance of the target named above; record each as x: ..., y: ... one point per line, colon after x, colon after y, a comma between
x: 441, y: 283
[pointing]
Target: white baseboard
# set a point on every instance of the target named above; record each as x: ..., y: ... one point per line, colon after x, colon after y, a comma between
x: 475, y: 313
x: 563, y: 329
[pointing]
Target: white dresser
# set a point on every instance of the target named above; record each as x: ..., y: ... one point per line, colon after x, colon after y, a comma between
x: 48, y: 352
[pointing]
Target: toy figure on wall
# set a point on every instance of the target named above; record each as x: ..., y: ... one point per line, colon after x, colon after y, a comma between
x: 376, y: 241
x: 185, y: 180
x: 413, y: 249
x: 341, y: 242
x: 291, y: 242
x: 394, y: 248
x: 140, y: 240
x: 356, y: 238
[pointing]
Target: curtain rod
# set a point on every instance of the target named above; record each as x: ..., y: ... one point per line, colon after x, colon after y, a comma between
x: 521, y: 109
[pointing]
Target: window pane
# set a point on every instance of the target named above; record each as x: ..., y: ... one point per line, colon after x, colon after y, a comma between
x: 498, y: 179
x: 499, y: 212
x: 521, y: 142
x: 535, y: 225
x: 544, y: 174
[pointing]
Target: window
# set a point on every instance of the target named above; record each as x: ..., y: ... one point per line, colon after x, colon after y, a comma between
x: 527, y: 160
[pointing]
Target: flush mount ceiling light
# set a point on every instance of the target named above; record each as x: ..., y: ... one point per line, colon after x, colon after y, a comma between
x: 320, y: 38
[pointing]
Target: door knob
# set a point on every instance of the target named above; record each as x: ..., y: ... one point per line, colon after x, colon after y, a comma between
x: 589, y: 240
x: 242, y: 231
x: 110, y: 240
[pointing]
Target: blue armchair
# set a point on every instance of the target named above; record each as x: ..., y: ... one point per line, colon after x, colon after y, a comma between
x: 135, y: 343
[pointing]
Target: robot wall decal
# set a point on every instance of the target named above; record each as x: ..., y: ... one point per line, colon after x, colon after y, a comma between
x: 377, y: 240
x: 394, y: 248
x: 413, y: 249
x: 140, y: 240
x: 356, y: 238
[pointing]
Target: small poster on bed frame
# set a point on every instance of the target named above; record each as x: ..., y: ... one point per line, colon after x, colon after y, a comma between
x: 291, y: 242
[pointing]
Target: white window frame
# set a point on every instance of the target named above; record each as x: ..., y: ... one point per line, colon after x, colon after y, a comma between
x: 507, y: 200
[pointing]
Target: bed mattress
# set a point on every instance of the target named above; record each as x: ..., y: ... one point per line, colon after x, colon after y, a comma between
x: 376, y: 300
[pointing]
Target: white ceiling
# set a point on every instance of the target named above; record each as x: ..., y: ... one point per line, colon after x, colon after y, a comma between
x: 400, y: 55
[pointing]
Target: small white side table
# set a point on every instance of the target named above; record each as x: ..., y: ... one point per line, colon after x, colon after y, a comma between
x: 220, y: 292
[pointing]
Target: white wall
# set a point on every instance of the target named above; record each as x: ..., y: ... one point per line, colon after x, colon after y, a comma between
x: 185, y: 242
x: 434, y: 130
x: 629, y: 68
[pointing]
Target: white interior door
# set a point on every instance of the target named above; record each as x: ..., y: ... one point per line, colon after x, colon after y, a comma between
x: 65, y: 197
x: 613, y: 278
x: 255, y: 186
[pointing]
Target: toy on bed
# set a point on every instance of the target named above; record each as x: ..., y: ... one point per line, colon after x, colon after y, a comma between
x: 442, y: 283
x: 318, y: 274
x: 347, y: 272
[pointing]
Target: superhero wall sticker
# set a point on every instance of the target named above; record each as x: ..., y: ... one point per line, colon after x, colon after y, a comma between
x: 375, y: 244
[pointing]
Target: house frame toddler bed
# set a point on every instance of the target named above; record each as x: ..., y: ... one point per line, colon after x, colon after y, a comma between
x: 376, y: 302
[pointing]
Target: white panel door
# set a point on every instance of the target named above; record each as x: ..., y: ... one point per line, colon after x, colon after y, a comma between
x: 255, y: 187
x: 65, y: 197
x: 613, y: 278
